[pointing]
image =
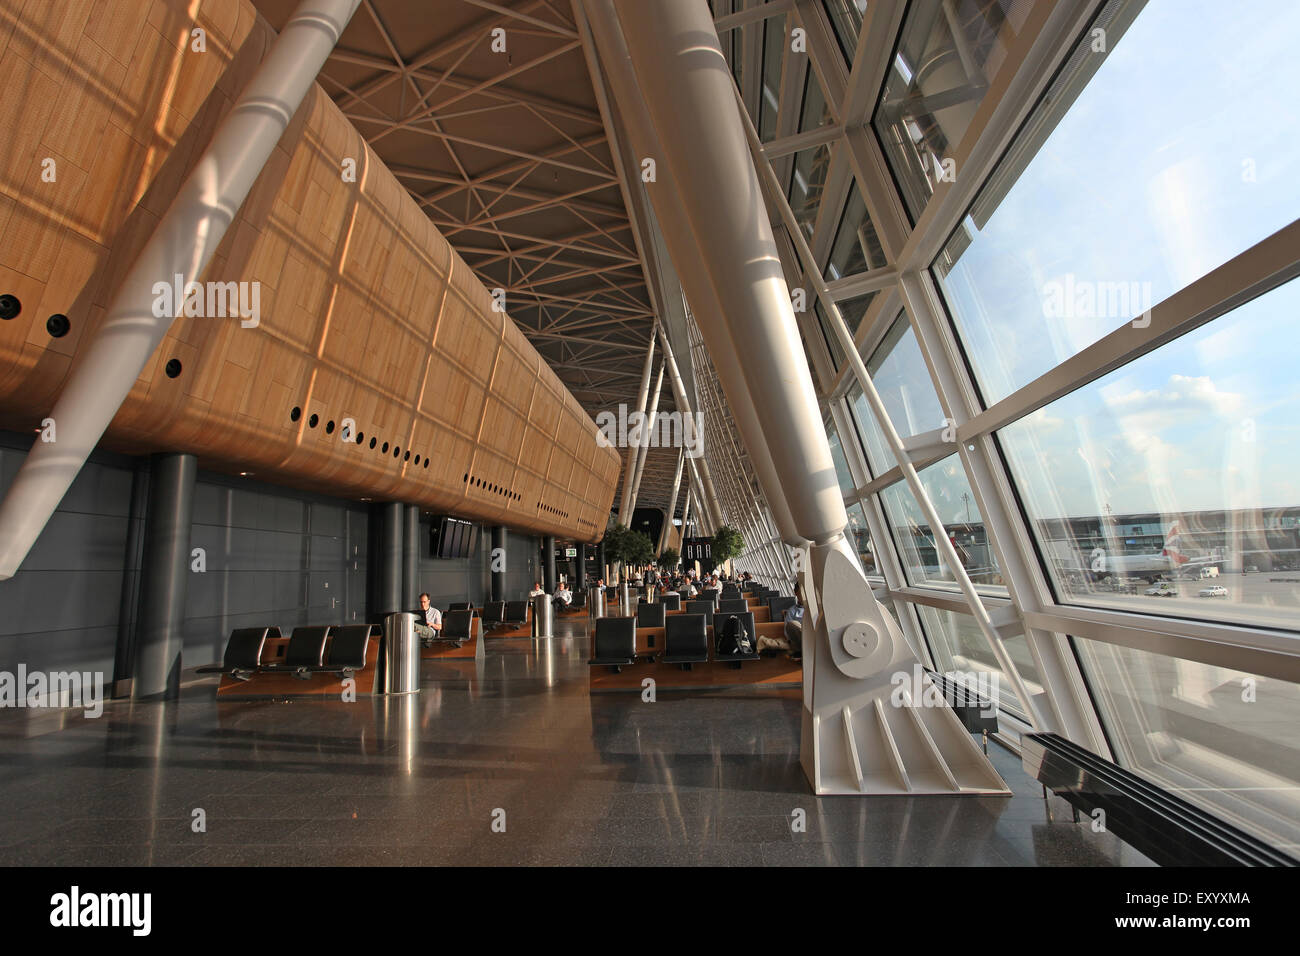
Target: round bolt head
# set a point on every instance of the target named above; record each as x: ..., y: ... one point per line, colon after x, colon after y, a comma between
x: 860, y: 639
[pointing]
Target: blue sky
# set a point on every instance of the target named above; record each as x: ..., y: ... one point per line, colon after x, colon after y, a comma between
x: 1181, y: 153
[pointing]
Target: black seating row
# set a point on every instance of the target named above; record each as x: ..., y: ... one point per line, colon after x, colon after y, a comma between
x: 304, y: 656
x: 686, y: 640
x: 504, y: 613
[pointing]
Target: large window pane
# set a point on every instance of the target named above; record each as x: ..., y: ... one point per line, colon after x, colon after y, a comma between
x: 945, y: 482
x: 948, y: 53
x: 831, y: 339
x: 814, y: 112
x: 807, y: 182
x: 961, y: 650
x: 861, y: 538
x: 842, y: 473
x: 898, y: 371
x: 1220, y: 738
x: 846, y: 19
x: 856, y: 247
x: 770, y: 96
x: 1179, y: 153
x: 1173, y: 485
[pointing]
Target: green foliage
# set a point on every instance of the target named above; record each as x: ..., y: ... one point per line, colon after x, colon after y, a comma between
x: 669, y: 559
x: 727, y: 544
x: 640, y: 549
x: 628, y: 547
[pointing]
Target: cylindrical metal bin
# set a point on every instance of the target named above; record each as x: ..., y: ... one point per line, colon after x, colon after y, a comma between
x: 542, y: 611
x: 595, y: 604
x: 401, y: 654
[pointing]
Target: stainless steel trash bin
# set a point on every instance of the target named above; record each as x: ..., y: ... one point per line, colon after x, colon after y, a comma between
x: 401, y: 654
x: 595, y: 603
x: 542, y: 612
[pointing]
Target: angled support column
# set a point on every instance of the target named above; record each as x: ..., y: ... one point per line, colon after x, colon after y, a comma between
x: 858, y: 736
x: 672, y: 503
x: 648, y: 430
x: 598, y: 23
x: 643, y: 394
x: 186, y: 237
x: 708, y: 501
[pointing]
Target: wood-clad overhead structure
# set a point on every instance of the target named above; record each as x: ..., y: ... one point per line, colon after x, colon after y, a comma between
x: 379, y: 366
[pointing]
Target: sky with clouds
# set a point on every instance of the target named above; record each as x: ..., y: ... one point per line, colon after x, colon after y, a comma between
x: 1178, y: 155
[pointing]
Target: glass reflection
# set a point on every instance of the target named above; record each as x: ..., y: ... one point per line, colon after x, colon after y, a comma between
x: 1220, y: 738
x: 1171, y: 485
x: 946, y: 484
x: 948, y: 53
x: 898, y: 371
x: 960, y: 649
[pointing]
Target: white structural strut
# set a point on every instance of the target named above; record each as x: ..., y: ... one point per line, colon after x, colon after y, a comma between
x: 711, y: 508
x: 183, y: 243
x: 672, y: 503
x: 943, y: 543
x: 864, y: 730
x: 723, y: 210
x: 648, y: 431
x: 700, y: 292
x: 643, y: 394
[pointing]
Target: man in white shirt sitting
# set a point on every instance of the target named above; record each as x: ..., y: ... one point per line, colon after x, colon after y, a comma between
x: 563, y: 597
x: 428, y: 620
x: 537, y: 589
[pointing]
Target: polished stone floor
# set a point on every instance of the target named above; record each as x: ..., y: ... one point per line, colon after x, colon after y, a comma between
x: 512, y: 742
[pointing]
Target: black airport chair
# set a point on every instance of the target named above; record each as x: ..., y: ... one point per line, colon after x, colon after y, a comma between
x: 738, y: 606
x: 701, y: 607
x: 730, y: 592
x: 243, y: 652
x: 305, y: 653
x: 777, y: 607
x: 686, y: 641
x: 461, y: 606
x: 348, y: 646
x: 615, y: 643
x: 649, y: 615
x: 579, y: 599
x: 494, y: 613
x: 457, y: 627
x: 516, y: 612
x: 671, y: 602
x: 747, y: 622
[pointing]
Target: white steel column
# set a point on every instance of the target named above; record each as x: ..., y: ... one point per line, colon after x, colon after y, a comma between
x: 624, y: 515
x: 673, y: 222
x: 672, y: 502
x: 712, y: 509
x: 648, y: 432
x: 182, y: 244
x: 855, y: 738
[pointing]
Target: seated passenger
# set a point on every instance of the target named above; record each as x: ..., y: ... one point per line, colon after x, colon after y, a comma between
x: 537, y: 589
x: 563, y: 597
x: 428, y: 621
